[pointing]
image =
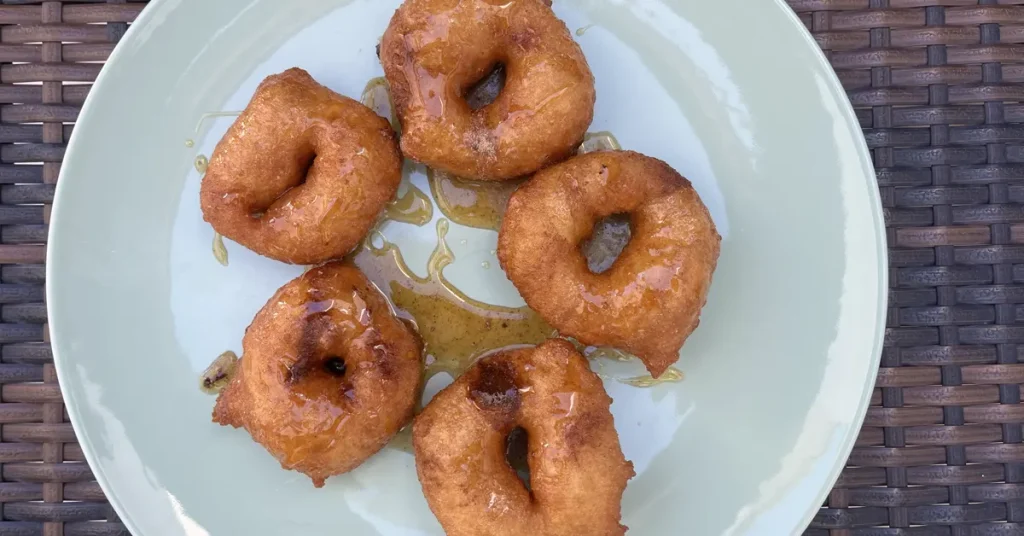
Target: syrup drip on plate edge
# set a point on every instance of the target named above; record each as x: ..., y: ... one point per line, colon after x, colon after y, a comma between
x: 216, y: 377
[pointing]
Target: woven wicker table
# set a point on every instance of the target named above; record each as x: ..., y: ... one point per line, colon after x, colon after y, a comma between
x: 939, y: 90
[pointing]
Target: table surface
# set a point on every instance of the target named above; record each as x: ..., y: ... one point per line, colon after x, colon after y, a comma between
x: 938, y: 86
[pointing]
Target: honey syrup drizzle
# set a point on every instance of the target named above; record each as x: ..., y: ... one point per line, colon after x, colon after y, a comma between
x: 599, y: 141
x: 220, y: 252
x: 412, y: 206
x: 471, y: 203
x: 212, y: 115
x: 455, y: 328
x: 201, y: 163
x: 217, y: 376
x: 377, y: 97
x: 403, y: 440
x: 583, y: 30
x: 672, y: 375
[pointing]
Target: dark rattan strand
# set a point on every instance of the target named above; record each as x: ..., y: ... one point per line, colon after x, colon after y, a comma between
x: 938, y: 87
x: 939, y: 90
x: 47, y: 50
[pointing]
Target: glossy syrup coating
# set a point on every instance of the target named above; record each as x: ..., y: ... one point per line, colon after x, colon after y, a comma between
x: 433, y: 53
x: 303, y: 173
x: 577, y: 470
x: 650, y: 300
x: 327, y: 376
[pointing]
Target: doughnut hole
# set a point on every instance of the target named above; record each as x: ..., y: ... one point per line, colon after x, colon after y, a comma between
x: 295, y: 182
x: 309, y: 178
x: 312, y: 376
x: 609, y: 238
x: 486, y: 90
x: 516, y: 449
x: 335, y: 366
x: 496, y: 389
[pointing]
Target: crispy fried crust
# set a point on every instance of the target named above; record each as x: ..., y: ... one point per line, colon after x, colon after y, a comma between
x: 577, y: 470
x: 290, y: 398
x: 650, y: 300
x: 435, y: 50
x: 303, y: 174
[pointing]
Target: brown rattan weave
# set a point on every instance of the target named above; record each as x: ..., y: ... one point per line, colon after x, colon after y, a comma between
x: 49, y: 52
x: 938, y: 86
x: 938, y: 89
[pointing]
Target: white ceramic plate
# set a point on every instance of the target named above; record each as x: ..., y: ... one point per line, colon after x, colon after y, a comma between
x: 733, y: 93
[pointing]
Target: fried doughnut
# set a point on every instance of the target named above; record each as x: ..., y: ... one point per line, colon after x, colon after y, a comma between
x: 303, y: 174
x: 650, y: 300
x: 433, y: 53
x: 328, y: 374
x: 577, y: 470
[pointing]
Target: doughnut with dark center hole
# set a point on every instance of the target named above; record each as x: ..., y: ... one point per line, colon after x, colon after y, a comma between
x: 577, y: 472
x: 302, y: 174
x: 316, y: 412
x: 650, y: 299
x: 435, y: 51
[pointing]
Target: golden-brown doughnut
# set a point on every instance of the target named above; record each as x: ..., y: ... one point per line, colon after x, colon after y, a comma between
x: 577, y: 470
x: 302, y: 174
x: 434, y: 51
x: 328, y: 374
x: 650, y: 300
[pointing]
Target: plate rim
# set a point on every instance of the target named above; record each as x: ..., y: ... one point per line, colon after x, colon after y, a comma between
x: 835, y: 87
x: 155, y: 8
